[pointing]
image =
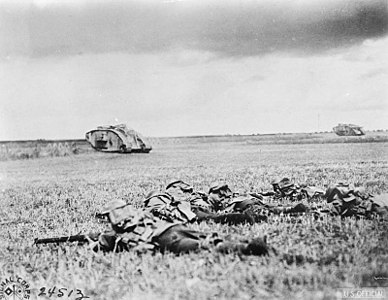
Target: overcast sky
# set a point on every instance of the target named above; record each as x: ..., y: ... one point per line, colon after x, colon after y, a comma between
x: 191, y: 67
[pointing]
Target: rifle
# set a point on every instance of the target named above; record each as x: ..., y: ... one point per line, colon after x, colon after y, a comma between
x: 80, y: 238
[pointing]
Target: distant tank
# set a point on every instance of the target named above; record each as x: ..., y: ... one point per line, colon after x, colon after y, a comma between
x: 348, y: 130
x: 117, y: 138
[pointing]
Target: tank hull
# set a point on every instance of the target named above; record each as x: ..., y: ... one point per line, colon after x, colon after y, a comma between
x: 348, y: 130
x: 117, y: 139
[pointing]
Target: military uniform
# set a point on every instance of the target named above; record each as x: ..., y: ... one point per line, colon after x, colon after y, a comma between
x: 166, y: 207
x: 284, y: 189
x: 181, y: 203
x: 346, y: 201
x: 222, y: 205
x: 137, y: 229
x: 254, y: 206
x: 214, y: 200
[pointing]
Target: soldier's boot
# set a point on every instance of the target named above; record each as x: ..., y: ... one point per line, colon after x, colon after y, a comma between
x: 234, y: 219
x: 257, y: 246
x: 297, y: 209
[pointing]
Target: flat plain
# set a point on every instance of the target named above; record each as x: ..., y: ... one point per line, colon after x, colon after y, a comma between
x: 59, y: 196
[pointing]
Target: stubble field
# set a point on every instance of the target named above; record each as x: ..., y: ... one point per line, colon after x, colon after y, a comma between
x: 59, y: 196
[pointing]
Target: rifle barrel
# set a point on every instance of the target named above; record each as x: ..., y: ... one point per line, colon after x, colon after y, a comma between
x: 82, y: 238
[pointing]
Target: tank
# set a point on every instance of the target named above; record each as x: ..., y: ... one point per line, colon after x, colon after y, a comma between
x: 117, y: 138
x: 348, y: 130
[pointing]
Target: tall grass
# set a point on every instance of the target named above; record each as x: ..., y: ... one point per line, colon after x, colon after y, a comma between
x: 14, y: 151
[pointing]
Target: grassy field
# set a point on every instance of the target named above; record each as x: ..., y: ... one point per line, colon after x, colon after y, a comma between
x: 31, y: 149
x: 55, y: 196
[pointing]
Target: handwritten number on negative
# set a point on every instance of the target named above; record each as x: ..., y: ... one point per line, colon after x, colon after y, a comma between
x: 61, y: 293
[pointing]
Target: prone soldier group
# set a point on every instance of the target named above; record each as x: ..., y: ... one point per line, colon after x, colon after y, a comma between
x: 162, y: 222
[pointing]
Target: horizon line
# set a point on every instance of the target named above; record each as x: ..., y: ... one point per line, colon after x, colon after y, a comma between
x: 182, y: 136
